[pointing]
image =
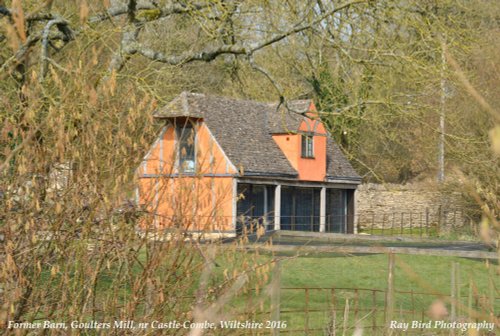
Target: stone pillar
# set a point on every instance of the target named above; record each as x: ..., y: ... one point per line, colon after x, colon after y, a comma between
x: 322, y: 210
x: 277, y: 207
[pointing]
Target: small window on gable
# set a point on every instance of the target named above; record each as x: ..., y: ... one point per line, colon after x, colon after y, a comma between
x: 307, y: 146
x: 186, y: 148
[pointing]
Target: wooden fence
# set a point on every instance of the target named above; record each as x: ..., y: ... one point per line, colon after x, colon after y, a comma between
x: 339, y: 310
x: 344, y: 308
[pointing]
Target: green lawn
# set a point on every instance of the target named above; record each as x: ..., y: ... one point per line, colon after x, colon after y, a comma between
x: 371, y: 272
x: 322, y: 273
x: 414, y: 275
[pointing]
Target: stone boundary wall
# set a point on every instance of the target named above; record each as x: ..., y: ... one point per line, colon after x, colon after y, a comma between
x: 396, y: 206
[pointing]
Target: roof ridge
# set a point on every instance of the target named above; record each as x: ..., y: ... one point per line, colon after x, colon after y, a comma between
x: 230, y: 98
x: 186, y: 93
x: 241, y: 100
x: 183, y: 100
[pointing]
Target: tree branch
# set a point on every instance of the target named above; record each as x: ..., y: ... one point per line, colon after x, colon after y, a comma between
x: 299, y: 28
x: 22, y: 51
x: 276, y: 85
x: 60, y: 23
x: 129, y: 39
x: 117, y: 11
x: 131, y: 9
x: 171, y: 9
x: 4, y: 11
x: 205, y: 56
x: 233, y: 49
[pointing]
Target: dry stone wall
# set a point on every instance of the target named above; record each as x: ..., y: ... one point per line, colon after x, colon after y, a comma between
x: 398, y: 207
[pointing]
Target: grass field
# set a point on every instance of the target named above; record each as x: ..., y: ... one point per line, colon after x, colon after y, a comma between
x: 351, y: 275
x: 333, y: 281
x: 433, y: 273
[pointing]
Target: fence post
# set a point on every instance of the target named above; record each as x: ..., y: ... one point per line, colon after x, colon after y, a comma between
x: 332, y: 291
x: 374, y: 311
x: 346, y: 317
x: 412, y: 305
x: 476, y: 301
x: 469, y: 301
x: 491, y: 293
x: 333, y: 318
x: 356, y: 302
x: 389, y: 296
x: 306, y: 317
x: 275, y: 295
x: 457, y: 289
x: 453, y: 314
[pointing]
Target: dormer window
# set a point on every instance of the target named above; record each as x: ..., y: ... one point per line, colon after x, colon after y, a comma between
x: 186, y: 148
x: 307, y: 146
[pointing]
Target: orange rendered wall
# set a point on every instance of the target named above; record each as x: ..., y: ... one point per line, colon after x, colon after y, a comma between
x: 309, y: 169
x: 200, y: 201
x: 192, y: 203
x: 313, y: 169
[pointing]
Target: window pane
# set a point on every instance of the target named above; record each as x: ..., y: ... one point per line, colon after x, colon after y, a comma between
x: 300, y: 208
x: 244, y: 203
x: 243, y: 207
x: 251, y: 206
x: 307, y: 146
x: 186, y: 138
x: 257, y: 201
x: 336, y: 210
x: 270, y: 207
x: 304, y: 209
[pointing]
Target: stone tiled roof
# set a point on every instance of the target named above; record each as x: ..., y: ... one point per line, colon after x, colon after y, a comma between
x: 244, y: 130
x: 284, y: 120
x: 337, y: 165
x: 184, y: 105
